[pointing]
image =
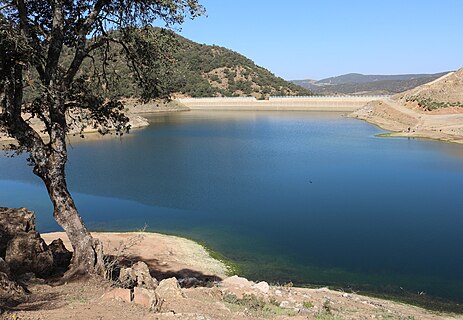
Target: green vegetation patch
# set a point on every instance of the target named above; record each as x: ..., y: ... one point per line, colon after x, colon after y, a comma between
x: 429, y: 104
x: 257, y: 306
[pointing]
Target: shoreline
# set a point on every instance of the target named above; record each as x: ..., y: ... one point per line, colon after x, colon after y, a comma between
x: 166, y: 254
x: 134, y: 111
x: 170, y: 255
x: 405, y: 122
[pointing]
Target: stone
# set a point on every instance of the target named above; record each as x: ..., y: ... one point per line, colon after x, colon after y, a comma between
x: 137, y: 276
x: 145, y: 297
x: 236, y: 281
x: 262, y: 286
x: 61, y: 256
x: 120, y: 294
x: 13, y: 221
x: 4, y: 267
x: 169, y: 289
x: 28, y: 252
x: 8, y: 287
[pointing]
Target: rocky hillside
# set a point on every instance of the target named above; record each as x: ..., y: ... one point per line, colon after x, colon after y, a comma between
x: 197, y: 70
x: 355, y: 83
x: 445, y: 92
x: 217, y: 71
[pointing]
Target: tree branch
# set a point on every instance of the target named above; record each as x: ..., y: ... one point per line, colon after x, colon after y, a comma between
x: 31, y: 36
x: 56, y: 42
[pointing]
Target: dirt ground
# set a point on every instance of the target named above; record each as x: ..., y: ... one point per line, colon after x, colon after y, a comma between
x: 409, y: 121
x: 232, y: 298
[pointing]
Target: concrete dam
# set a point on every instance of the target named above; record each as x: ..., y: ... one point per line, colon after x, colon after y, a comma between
x: 311, y: 103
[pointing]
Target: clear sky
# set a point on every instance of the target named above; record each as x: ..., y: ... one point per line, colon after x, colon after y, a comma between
x: 315, y: 39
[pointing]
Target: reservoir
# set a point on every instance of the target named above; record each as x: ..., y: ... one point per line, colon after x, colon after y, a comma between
x: 301, y: 197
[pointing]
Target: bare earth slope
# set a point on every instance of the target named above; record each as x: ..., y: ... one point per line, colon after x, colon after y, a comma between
x: 408, y: 114
x: 448, y: 88
x: 232, y: 298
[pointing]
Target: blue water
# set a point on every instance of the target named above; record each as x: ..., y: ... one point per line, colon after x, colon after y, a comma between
x: 303, y: 197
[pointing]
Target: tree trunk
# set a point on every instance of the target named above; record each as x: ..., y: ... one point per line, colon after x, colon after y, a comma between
x: 88, y: 252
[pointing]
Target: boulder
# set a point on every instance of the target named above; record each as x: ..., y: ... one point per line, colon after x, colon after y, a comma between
x: 27, y: 252
x: 120, y: 294
x: 137, y: 276
x: 4, y: 267
x: 169, y: 289
x: 145, y: 297
x: 61, y: 256
x: 236, y: 281
x: 262, y: 287
x: 13, y: 221
x: 8, y: 287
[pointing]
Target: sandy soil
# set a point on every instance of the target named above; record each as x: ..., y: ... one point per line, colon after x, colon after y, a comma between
x: 410, y: 121
x: 165, y: 255
x: 233, y: 298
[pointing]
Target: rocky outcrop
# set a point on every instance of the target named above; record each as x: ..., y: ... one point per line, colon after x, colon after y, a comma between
x: 12, y: 222
x: 61, y: 256
x: 169, y: 289
x: 138, y: 287
x: 27, y: 252
x: 24, y: 254
x: 20, y: 244
x: 137, y: 276
x: 8, y: 287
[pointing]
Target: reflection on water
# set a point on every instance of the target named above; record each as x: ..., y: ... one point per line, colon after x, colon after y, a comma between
x: 306, y: 197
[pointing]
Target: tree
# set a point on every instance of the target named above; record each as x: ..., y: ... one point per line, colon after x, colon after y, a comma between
x: 33, y: 36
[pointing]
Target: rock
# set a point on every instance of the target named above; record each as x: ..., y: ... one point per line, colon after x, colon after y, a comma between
x: 61, y: 256
x: 27, y: 252
x: 120, y: 294
x: 137, y: 276
x: 4, y: 267
x: 8, y: 287
x: 169, y: 289
x: 191, y: 282
x: 262, y: 287
x: 13, y: 221
x: 236, y: 281
x: 145, y: 297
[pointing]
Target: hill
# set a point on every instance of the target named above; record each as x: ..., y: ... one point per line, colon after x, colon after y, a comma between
x: 217, y: 71
x: 198, y: 70
x: 433, y: 110
x: 356, y: 83
x: 445, y: 92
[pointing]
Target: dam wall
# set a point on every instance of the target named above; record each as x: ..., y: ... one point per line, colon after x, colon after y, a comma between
x: 311, y: 103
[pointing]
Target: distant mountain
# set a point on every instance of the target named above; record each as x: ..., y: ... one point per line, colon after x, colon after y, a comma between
x: 360, y: 84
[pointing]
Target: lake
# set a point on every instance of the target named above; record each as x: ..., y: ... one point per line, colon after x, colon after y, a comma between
x: 312, y: 198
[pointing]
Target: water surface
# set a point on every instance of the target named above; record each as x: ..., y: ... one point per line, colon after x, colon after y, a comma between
x: 303, y: 197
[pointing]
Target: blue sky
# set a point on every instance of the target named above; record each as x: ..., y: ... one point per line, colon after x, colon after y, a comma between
x: 299, y: 39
